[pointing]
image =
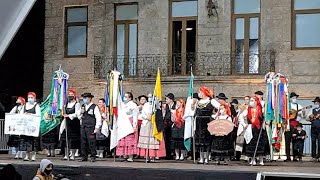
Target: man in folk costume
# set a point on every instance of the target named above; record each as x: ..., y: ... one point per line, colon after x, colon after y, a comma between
x: 71, y: 125
x: 315, y: 129
x: 204, y: 111
x: 127, y: 146
x: 30, y: 143
x: 14, y: 140
x: 90, y: 125
x: 255, y: 120
x: 147, y: 141
x: 170, y: 105
x: 296, y: 115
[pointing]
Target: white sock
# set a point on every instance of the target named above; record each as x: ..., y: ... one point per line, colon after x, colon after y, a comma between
x: 177, y: 153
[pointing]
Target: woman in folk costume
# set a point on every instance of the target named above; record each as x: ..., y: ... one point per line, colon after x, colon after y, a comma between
x: 102, y: 140
x: 14, y: 140
x: 222, y: 146
x: 71, y: 114
x: 147, y: 141
x: 204, y: 110
x: 28, y: 142
x: 242, y: 125
x: 127, y: 146
x: 255, y: 119
x: 178, y: 130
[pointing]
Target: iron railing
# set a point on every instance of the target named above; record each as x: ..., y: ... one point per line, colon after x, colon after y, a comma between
x: 202, y: 63
x: 3, y: 137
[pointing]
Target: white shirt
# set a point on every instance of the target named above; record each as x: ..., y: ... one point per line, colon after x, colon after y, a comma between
x: 77, y: 110
x: 225, y: 117
x: 28, y: 106
x: 132, y: 110
x: 14, y: 109
x: 300, y: 114
x: 97, y: 115
x: 146, y: 112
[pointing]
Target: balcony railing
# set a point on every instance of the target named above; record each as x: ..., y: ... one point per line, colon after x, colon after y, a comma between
x: 202, y: 63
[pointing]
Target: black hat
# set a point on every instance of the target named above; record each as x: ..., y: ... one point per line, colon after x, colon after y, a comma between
x: 222, y: 96
x: 170, y: 96
x: 293, y: 94
x: 139, y: 97
x: 299, y: 125
x: 260, y: 93
x: 317, y: 99
x: 195, y: 95
x: 234, y: 101
x: 87, y: 95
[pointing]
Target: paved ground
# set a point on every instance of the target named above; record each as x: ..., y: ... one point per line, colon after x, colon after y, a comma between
x: 139, y: 169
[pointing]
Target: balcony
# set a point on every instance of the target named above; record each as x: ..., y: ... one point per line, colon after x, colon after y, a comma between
x: 201, y: 63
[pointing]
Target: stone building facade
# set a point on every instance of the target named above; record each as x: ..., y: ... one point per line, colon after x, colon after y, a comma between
x: 215, y: 56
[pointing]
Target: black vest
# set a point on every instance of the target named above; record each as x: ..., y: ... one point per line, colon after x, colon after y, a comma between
x: 31, y: 111
x: 71, y: 110
x: 315, y: 124
x: 88, y: 118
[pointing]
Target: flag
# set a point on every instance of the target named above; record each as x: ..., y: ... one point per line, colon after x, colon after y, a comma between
x: 52, y: 108
x: 157, y: 133
x: 188, y: 115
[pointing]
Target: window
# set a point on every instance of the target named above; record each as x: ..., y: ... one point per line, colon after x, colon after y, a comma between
x: 245, y: 36
x: 183, y: 40
x: 126, y: 33
x: 76, y: 25
x: 306, y: 24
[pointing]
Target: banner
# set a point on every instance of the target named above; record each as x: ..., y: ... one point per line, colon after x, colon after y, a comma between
x: 22, y: 124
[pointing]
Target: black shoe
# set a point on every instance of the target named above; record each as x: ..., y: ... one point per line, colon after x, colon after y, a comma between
x: 49, y: 155
x: 287, y: 160
x: 93, y: 159
x: 295, y: 160
x: 83, y: 160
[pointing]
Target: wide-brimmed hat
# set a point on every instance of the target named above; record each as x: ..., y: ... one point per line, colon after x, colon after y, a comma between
x: 234, y: 101
x: 260, y: 93
x: 222, y: 96
x: 170, y: 96
x: 317, y: 99
x: 87, y: 95
x: 195, y: 95
x: 293, y: 94
x: 299, y: 125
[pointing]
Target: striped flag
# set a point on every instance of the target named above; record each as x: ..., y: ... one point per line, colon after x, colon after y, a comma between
x: 188, y: 115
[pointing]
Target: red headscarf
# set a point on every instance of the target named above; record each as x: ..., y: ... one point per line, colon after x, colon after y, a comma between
x: 23, y: 101
x: 32, y: 94
x: 255, y: 121
x: 179, y: 114
x: 73, y: 92
x: 227, y: 108
x: 206, y: 91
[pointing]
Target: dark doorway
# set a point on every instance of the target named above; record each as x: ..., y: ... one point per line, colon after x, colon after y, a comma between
x: 21, y: 67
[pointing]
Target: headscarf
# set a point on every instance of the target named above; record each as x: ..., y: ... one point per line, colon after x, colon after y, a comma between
x: 32, y: 94
x: 23, y: 101
x: 206, y: 91
x: 179, y: 113
x: 255, y: 121
x: 227, y: 109
x: 73, y: 92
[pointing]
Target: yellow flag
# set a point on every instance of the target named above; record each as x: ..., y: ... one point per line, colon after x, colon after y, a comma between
x: 158, y: 94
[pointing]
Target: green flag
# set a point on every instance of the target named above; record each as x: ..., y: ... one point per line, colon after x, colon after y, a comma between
x: 189, y: 113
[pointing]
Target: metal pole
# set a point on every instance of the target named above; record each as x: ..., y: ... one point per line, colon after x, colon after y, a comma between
x: 67, y: 141
x: 147, y: 155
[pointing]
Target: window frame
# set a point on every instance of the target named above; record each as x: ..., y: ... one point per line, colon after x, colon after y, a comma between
x: 72, y: 24
x: 294, y: 13
x: 126, y: 24
x: 246, y: 40
x: 183, y: 43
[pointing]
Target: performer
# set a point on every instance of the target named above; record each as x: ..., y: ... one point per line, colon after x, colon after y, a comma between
x: 72, y: 114
x: 14, y: 140
x: 127, y: 146
x: 242, y: 126
x: 295, y: 116
x: 90, y: 125
x: 315, y: 129
x: 255, y: 120
x: 170, y: 105
x: 259, y: 94
x: 205, y: 108
x: 223, y: 146
x: 102, y: 140
x: 147, y: 142
x: 28, y: 142
x: 178, y: 130
x: 50, y: 141
x: 235, y: 110
x: 298, y: 137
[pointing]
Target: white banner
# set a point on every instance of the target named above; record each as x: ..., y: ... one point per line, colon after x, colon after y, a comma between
x: 22, y: 124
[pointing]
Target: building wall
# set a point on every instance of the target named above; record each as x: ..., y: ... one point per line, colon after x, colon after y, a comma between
x: 301, y: 66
